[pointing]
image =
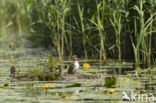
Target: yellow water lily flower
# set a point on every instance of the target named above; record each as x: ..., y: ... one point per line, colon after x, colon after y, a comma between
x: 11, y: 57
x: 86, y: 66
x: 111, y: 91
x: 11, y: 44
x: 46, y: 86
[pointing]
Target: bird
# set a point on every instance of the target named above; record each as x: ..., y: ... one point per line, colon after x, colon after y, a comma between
x: 74, y: 67
x: 12, y: 71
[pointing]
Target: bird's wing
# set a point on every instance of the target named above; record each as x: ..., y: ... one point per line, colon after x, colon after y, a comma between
x: 71, y: 68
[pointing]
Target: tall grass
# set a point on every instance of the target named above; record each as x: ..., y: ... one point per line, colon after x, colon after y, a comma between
x: 10, y: 16
x: 116, y: 22
x: 82, y: 29
x: 98, y: 21
x: 141, y: 37
x: 57, y: 23
x: 51, y: 23
x: 151, y: 11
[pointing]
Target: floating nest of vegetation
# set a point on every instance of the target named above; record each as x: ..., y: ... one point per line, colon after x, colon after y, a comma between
x: 37, y: 75
x: 50, y: 72
x: 76, y: 76
x: 45, y: 75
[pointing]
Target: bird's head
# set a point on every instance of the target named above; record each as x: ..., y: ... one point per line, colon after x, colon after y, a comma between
x: 75, y: 57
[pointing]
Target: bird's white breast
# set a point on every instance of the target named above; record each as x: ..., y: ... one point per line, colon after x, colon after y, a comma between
x: 76, y: 65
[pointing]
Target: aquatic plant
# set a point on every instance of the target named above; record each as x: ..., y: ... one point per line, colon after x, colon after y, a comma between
x: 98, y: 20
x: 46, y: 86
x: 50, y: 71
x: 141, y: 38
x: 73, y: 85
x: 51, y: 63
x: 86, y: 66
x: 111, y: 91
x: 63, y: 95
x: 110, y: 82
x: 53, y: 66
x: 6, y: 84
x: 11, y: 44
x: 82, y: 29
x: 11, y: 57
x: 58, y: 13
x: 116, y: 22
x: 103, y: 27
x: 40, y: 74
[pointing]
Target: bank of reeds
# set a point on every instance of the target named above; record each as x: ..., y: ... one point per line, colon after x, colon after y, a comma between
x: 85, y: 28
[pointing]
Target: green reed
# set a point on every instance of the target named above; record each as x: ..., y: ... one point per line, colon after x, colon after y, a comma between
x: 82, y: 30
x: 98, y: 21
x: 141, y: 38
x: 58, y: 11
x: 117, y: 25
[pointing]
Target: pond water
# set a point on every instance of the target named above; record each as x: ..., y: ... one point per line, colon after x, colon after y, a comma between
x: 74, y: 90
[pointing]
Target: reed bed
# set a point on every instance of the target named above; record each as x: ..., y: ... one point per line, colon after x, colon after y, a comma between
x: 122, y: 30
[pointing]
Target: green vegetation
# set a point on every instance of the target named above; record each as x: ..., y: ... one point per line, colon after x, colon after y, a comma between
x: 113, y: 39
x: 51, y: 71
x: 37, y: 74
x: 6, y: 84
x: 109, y: 29
x: 110, y: 82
